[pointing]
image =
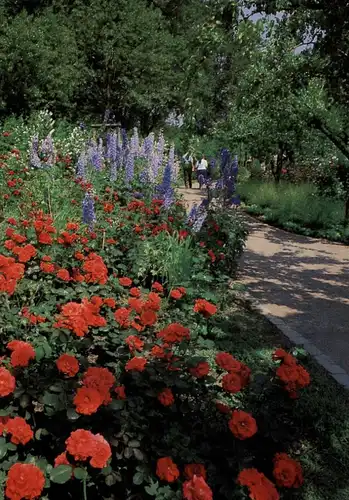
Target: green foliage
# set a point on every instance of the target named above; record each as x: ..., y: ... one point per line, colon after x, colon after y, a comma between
x: 298, y: 208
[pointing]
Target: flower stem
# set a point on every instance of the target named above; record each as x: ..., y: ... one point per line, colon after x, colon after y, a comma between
x: 84, y: 484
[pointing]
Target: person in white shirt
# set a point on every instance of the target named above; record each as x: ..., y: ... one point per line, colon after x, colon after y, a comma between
x: 202, y: 168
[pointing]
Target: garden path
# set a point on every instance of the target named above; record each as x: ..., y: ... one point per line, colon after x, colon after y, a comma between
x: 300, y: 280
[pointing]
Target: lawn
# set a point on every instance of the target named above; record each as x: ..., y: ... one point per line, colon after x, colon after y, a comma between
x: 128, y: 368
x: 297, y: 208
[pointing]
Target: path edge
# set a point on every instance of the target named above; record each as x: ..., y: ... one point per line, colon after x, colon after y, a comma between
x: 336, y: 371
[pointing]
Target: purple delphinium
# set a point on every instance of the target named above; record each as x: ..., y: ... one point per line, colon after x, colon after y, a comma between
x: 124, y: 139
x: 148, y: 146
x: 34, y: 157
x: 135, y: 142
x: 47, y: 150
x: 88, y: 210
x: 192, y: 214
x: 235, y: 168
x: 95, y: 157
x: 129, y: 167
x: 81, y: 166
x: 199, y: 221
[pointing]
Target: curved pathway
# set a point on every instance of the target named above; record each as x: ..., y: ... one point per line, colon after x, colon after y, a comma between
x: 302, y: 283
x: 305, y: 283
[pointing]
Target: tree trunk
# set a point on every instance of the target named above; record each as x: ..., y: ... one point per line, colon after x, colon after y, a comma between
x: 279, y: 163
x: 346, y: 214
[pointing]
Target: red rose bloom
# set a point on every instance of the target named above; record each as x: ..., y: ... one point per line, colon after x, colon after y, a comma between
x: 61, y: 459
x: 24, y: 253
x: 63, y: 274
x: 125, y: 282
x: 191, y: 470
x: 200, y: 370
x: 100, y: 379
x: 259, y: 486
x: 227, y: 362
x: 287, y: 472
x: 157, y: 287
x: 176, y: 294
x: 134, y: 343
x: 153, y: 302
x: 68, y: 365
x: 87, y: 400
x: 24, y: 481
x: 231, y: 382
x: 80, y: 444
x: 135, y: 292
x: 122, y: 316
x: 22, y: 353
x: 21, y: 432
x: 148, y: 317
x: 205, y: 308
x: 242, y: 425
x: 110, y: 303
x: 101, y: 452
x: 175, y: 332
x: 7, y: 382
x: 47, y: 267
x: 136, y: 364
x: 167, y: 470
x: 197, y: 489
x: 166, y: 397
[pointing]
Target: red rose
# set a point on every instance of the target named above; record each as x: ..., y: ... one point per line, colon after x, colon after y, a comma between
x: 166, y: 397
x: 287, y: 472
x: 136, y: 364
x: 242, y: 425
x: 87, y: 400
x: 200, y: 370
x: 167, y: 470
x: 197, y: 489
x: 24, y: 481
x: 68, y: 365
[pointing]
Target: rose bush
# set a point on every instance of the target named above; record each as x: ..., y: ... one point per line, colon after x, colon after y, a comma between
x: 111, y: 384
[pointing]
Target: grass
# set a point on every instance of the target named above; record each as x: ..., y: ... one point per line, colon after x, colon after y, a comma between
x: 321, y: 412
x: 297, y: 208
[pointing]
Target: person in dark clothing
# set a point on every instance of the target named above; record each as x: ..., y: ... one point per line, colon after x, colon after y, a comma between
x: 188, y: 169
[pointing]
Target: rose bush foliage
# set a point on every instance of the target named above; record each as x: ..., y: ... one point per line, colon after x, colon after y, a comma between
x: 111, y: 385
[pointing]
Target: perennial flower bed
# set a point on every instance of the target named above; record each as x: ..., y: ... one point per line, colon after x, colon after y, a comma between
x: 105, y: 390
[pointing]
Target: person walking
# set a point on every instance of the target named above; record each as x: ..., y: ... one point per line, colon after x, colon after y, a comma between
x: 188, y: 169
x: 202, y: 170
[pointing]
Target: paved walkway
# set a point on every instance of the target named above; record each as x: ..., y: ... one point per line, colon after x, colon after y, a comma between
x: 300, y: 280
x: 304, y: 282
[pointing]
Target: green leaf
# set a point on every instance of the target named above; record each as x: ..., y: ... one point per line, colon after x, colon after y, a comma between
x: 117, y: 404
x: 72, y: 415
x: 3, y: 448
x: 138, y: 478
x: 152, y: 489
x: 39, y: 353
x: 61, y: 474
x: 11, y: 447
x: 80, y: 473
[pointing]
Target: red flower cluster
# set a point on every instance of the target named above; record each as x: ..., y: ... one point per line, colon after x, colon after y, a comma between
x: 205, y: 308
x: 259, y: 486
x: 238, y: 375
x: 100, y: 379
x: 20, y: 431
x: 24, y: 481
x: 95, y: 269
x: 200, y: 370
x: 68, y: 365
x: 287, y: 472
x: 10, y: 273
x: 136, y: 364
x: 24, y: 254
x: 82, y: 445
x: 197, y: 489
x: 293, y: 375
x: 242, y: 425
x: 22, y: 353
x: 43, y: 225
x: 79, y: 317
x: 173, y: 333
